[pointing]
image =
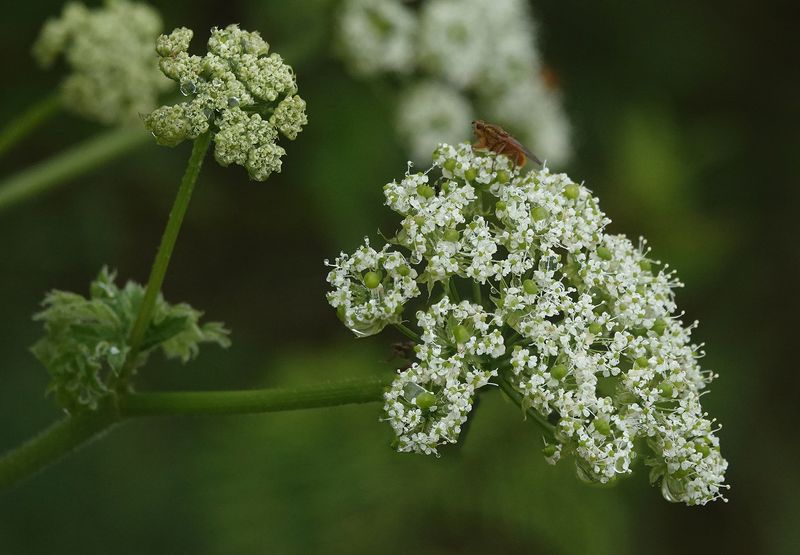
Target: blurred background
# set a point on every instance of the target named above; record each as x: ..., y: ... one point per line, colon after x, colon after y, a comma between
x: 684, y: 120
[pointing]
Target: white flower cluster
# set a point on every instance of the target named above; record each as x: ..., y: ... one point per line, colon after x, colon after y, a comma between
x: 465, y: 57
x: 428, y: 402
x: 237, y: 91
x: 109, y: 50
x: 371, y: 288
x: 578, y: 325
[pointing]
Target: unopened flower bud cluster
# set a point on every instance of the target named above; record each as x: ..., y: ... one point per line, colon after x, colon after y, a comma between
x: 109, y: 50
x: 238, y: 91
x: 580, y: 324
x: 466, y: 59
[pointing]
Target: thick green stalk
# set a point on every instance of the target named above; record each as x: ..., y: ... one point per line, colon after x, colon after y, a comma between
x: 164, y: 253
x: 55, y: 442
x: 30, y: 119
x: 73, y: 432
x: 69, y: 164
x: 253, y: 401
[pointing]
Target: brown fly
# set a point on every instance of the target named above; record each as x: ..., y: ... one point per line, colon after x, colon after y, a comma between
x: 495, y: 138
x: 403, y: 349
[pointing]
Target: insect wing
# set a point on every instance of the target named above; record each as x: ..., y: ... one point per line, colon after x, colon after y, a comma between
x: 518, y: 145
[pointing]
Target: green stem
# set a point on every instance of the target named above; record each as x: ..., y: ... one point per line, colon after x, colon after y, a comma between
x: 412, y: 335
x: 69, y: 164
x: 164, y: 253
x: 69, y: 434
x: 513, y: 338
x: 512, y: 394
x: 29, y: 120
x: 55, y: 442
x: 253, y: 401
x: 452, y: 292
x: 476, y: 292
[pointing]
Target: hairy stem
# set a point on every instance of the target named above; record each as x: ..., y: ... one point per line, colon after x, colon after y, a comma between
x: 69, y: 434
x: 164, y: 253
x: 69, y: 164
x: 24, y: 124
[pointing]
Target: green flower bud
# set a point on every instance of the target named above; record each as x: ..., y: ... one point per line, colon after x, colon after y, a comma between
x: 404, y: 270
x: 425, y: 400
x: 558, y: 371
x: 604, y: 253
x: 659, y: 326
x: 645, y: 265
x: 549, y: 450
x: 288, y: 118
x: 530, y: 287
x: 641, y: 362
x: 451, y: 235
x: 237, y: 92
x: 503, y: 177
x: 595, y: 328
x: 500, y: 206
x: 425, y: 191
x: 462, y: 334
x: 602, y: 426
x: 702, y: 448
x: 470, y: 174
x: 539, y: 213
x: 373, y: 279
x: 450, y: 164
x: 572, y: 191
x: 665, y: 388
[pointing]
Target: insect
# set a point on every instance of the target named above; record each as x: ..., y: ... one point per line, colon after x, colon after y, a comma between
x: 495, y: 138
x: 403, y: 349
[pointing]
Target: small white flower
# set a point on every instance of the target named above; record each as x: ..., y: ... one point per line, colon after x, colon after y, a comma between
x: 370, y: 288
x: 428, y: 402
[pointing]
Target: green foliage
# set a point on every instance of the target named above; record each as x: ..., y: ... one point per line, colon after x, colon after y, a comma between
x: 86, y: 343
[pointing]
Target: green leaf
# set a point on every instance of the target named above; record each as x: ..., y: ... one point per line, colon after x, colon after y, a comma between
x: 164, y: 331
x: 85, y: 344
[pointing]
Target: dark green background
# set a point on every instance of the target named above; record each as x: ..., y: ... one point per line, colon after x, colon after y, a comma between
x: 685, y: 117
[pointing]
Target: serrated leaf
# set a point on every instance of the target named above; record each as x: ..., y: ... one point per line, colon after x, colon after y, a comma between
x: 165, y: 330
x: 86, y: 340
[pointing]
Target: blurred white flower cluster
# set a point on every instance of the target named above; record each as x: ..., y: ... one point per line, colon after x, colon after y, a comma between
x: 244, y: 96
x: 114, y: 72
x: 577, y: 325
x: 458, y: 60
